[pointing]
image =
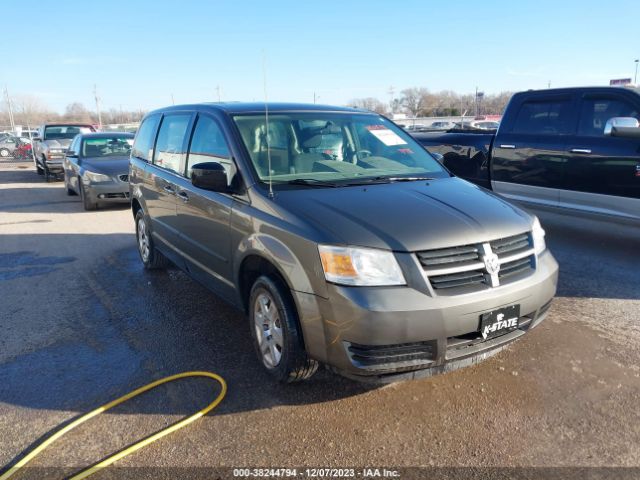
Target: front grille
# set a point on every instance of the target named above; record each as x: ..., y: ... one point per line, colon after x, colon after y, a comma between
x: 123, y: 178
x: 462, y: 268
x: 391, y: 356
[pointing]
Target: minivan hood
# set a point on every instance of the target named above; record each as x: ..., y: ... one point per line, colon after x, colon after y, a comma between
x: 107, y: 166
x: 407, y: 216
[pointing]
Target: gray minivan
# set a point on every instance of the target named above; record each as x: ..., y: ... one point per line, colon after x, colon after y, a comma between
x: 344, y: 241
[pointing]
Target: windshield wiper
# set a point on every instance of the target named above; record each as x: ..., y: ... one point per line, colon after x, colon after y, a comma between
x: 311, y: 182
x: 383, y: 179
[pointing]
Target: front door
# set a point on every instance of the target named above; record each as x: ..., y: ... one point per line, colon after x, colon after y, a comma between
x: 603, y: 173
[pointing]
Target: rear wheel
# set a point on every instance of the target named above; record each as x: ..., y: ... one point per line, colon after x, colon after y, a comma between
x: 151, y: 258
x: 5, y: 153
x: 276, y: 332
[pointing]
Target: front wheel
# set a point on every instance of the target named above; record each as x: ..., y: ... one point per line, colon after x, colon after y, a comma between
x: 151, y: 258
x: 5, y: 153
x: 87, y: 203
x: 276, y: 332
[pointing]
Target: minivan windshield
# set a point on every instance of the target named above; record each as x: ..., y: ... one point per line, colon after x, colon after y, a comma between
x: 328, y: 148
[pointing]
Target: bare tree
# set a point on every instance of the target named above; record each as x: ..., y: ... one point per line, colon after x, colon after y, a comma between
x: 77, y: 112
x: 369, y: 103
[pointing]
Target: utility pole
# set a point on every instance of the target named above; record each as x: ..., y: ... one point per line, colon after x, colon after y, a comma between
x: 10, y: 107
x: 635, y: 78
x: 218, y: 92
x: 549, y: 84
x: 173, y: 102
x: 476, y: 101
x: 315, y: 97
x: 95, y: 95
x: 391, y: 91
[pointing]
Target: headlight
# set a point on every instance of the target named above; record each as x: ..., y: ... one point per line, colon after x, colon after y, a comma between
x: 97, y: 177
x: 538, y: 236
x: 56, y: 150
x: 360, y: 266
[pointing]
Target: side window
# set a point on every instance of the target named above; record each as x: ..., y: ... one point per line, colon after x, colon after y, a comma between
x: 209, y: 145
x: 143, y: 144
x: 169, y: 147
x: 596, y: 111
x: 544, y: 117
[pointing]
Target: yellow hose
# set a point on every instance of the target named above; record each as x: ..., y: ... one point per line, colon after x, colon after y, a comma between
x: 136, y: 446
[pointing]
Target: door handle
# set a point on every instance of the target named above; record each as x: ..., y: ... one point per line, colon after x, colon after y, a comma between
x: 580, y: 150
x: 169, y: 189
x: 508, y: 146
x: 183, y: 196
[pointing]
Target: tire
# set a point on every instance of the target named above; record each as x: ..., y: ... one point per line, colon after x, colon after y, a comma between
x: 151, y: 258
x: 5, y: 153
x: 276, y: 333
x: 70, y: 191
x: 45, y: 170
x: 86, y: 201
x: 39, y: 169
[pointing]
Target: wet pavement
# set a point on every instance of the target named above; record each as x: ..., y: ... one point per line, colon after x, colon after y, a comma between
x: 82, y: 323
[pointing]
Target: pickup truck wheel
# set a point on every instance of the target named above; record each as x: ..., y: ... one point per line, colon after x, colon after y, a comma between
x: 46, y: 172
x: 276, y: 332
x: 86, y: 201
x: 5, y: 153
x: 39, y: 169
x: 151, y: 258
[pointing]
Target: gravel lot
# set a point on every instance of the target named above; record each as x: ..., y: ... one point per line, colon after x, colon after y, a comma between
x: 83, y: 323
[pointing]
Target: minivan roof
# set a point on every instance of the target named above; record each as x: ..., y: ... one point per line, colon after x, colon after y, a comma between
x: 579, y: 90
x: 259, y: 107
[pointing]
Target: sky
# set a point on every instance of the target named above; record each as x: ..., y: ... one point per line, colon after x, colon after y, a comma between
x: 145, y: 54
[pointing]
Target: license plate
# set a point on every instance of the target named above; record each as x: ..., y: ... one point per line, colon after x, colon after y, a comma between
x: 499, y: 322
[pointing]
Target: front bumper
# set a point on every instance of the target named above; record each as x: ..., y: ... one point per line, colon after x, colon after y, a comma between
x: 438, y: 333
x: 55, y: 164
x: 112, y: 192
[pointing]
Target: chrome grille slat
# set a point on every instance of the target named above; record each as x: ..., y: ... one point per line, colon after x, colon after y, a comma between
x: 463, y: 268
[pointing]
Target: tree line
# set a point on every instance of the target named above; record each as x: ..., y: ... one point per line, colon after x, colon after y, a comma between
x: 421, y: 102
x: 29, y: 110
x: 415, y: 102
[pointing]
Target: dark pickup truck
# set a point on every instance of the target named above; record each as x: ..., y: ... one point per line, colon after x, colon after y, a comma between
x: 572, y: 148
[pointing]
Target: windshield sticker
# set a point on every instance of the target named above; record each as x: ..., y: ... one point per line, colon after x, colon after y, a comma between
x: 386, y: 136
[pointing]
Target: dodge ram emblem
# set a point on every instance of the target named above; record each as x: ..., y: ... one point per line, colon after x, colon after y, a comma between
x: 492, y: 263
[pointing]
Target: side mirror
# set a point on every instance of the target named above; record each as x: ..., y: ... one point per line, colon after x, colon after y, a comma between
x: 210, y: 176
x: 619, y: 125
x: 72, y: 154
x: 35, y: 138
